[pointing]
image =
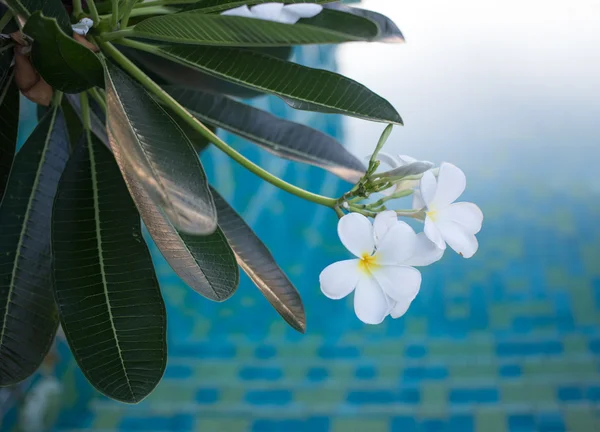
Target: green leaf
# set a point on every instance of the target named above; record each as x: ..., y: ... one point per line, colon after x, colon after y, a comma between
x: 74, y: 125
x: 201, y: 29
x: 146, y: 140
x: 9, y: 120
x: 258, y: 263
x: 205, y: 263
x: 64, y: 63
x: 108, y: 297
x: 48, y: 8
x: 211, y: 6
x: 281, y: 137
x: 164, y: 71
x: 388, y: 30
x: 28, y: 317
x: 300, y: 87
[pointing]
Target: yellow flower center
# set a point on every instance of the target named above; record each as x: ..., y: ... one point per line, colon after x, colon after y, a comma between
x: 432, y: 214
x: 367, y: 263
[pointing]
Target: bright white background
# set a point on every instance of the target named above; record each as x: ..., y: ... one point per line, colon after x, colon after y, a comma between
x: 485, y: 81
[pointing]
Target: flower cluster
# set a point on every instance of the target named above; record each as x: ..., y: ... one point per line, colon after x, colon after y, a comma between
x: 383, y: 274
x: 277, y: 12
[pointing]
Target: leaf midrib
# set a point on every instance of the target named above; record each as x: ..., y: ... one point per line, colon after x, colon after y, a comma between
x: 101, y: 255
x: 132, y: 129
x: 181, y: 60
x: 24, y: 227
x: 334, y: 34
x: 303, y: 156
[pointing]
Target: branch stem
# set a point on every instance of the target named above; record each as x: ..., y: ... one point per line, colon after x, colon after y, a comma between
x: 171, y: 103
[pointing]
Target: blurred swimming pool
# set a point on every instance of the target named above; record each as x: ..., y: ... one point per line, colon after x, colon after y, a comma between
x: 506, y: 341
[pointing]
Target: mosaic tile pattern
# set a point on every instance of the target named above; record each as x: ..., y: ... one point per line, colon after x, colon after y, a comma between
x: 508, y: 341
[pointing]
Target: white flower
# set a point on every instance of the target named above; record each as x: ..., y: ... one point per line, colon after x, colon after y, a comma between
x: 278, y: 12
x: 382, y: 273
x: 399, y: 161
x: 446, y: 221
x: 83, y: 26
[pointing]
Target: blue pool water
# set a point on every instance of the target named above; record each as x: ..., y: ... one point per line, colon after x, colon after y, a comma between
x: 508, y: 341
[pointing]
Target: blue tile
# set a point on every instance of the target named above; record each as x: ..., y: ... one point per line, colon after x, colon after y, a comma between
x: 178, y: 372
x: 569, y: 394
x: 365, y: 372
x: 176, y: 423
x: 510, y: 371
x: 403, y: 424
x: 550, y: 422
x: 265, y: 352
x: 422, y: 373
x: 462, y: 423
x: 313, y: 424
x: 415, y: 351
x: 595, y: 346
x: 316, y: 374
x: 269, y: 397
x: 202, y: 350
x: 207, y: 395
x: 504, y: 349
x: 260, y: 373
x: 339, y: 352
x: 433, y: 425
x: 473, y: 396
x: 593, y: 394
x: 521, y: 423
x: 368, y: 397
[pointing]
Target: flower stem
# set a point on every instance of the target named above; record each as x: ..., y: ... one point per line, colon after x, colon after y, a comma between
x: 85, y: 111
x: 127, y: 13
x: 109, y: 36
x: 77, y: 9
x: 382, y: 140
x: 114, y: 21
x: 94, y: 12
x: 167, y: 100
x: 95, y: 94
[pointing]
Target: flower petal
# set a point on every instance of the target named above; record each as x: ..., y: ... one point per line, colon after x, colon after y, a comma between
x: 401, y: 308
x: 405, y: 160
x: 428, y: 187
x: 458, y: 238
x: 304, y: 10
x: 370, y: 303
x: 418, y: 202
x: 397, y: 246
x: 400, y: 283
x: 339, y: 279
x: 464, y: 213
x: 383, y: 222
x: 451, y: 185
x: 433, y: 233
x: 242, y: 11
x: 356, y: 233
x: 267, y: 11
x: 426, y: 252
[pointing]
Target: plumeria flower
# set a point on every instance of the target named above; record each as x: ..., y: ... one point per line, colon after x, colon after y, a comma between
x: 426, y: 253
x: 446, y: 221
x: 398, y: 161
x: 83, y: 26
x: 278, y: 12
x: 382, y: 274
